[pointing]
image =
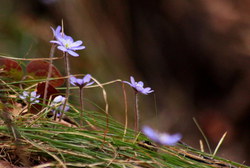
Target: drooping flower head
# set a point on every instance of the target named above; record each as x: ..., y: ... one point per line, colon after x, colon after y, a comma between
x: 30, y: 97
x: 57, y: 104
x: 66, y: 43
x: 138, y: 86
x: 161, y: 138
x: 85, y: 81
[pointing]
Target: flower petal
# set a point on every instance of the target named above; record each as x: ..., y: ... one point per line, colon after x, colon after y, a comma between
x: 140, y: 83
x: 161, y: 138
x: 147, y: 90
x: 74, y: 54
x: 150, y: 133
x: 170, y: 140
x: 72, y: 80
x: 62, y: 48
x: 55, y: 42
x: 127, y: 83
x: 90, y: 83
x: 132, y: 79
x: 139, y: 88
x: 22, y: 97
x: 33, y: 94
x: 78, y: 48
x: 76, y: 44
x: 79, y: 81
x: 66, y: 108
x: 87, y: 78
x: 58, y: 99
x: 58, y: 29
x: 57, y: 33
x: 68, y: 38
x: 25, y: 93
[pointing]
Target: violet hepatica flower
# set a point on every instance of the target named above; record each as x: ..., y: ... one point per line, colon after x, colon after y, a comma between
x: 66, y: 43
x: 58, y: 103
x: 138, y: 86
x: 161, y: 138
x: 30, y: 97
x: 85, y: 81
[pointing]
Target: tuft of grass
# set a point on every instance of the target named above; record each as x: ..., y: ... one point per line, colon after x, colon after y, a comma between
x: 35, y: 140
x: 50, y: 143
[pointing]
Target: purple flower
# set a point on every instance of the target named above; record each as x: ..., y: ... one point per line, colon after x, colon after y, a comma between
x: 66, y: 43
x: 57, y: 104
x: 85, y: 81
x: 161, y: 138
x: 138, y: 86
x: 30, y: 97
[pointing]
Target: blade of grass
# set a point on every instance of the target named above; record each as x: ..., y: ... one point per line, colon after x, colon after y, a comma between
x: 204, y: 136
x: 51, y: 154
x: 219, y: 144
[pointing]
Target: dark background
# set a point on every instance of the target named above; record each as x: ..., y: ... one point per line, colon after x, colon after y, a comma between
x: 193, y: 53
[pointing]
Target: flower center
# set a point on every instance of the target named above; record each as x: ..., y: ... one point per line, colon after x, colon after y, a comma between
x: 67, y: 45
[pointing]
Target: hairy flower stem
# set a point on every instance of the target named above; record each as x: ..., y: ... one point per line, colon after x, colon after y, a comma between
x: 81, y: 104
x: 66, y: 63
x: 136, y: 112
x: 126, y: 110
x: 52, y: 50
x: 55, y: 115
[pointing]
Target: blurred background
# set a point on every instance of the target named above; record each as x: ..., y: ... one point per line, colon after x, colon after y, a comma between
x: 195, y: 54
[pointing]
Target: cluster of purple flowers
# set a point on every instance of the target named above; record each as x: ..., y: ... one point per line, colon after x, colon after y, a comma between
x: 68, y: 45
x: 57, y: 105
x: 30, y: 97
x: 58, y: 102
